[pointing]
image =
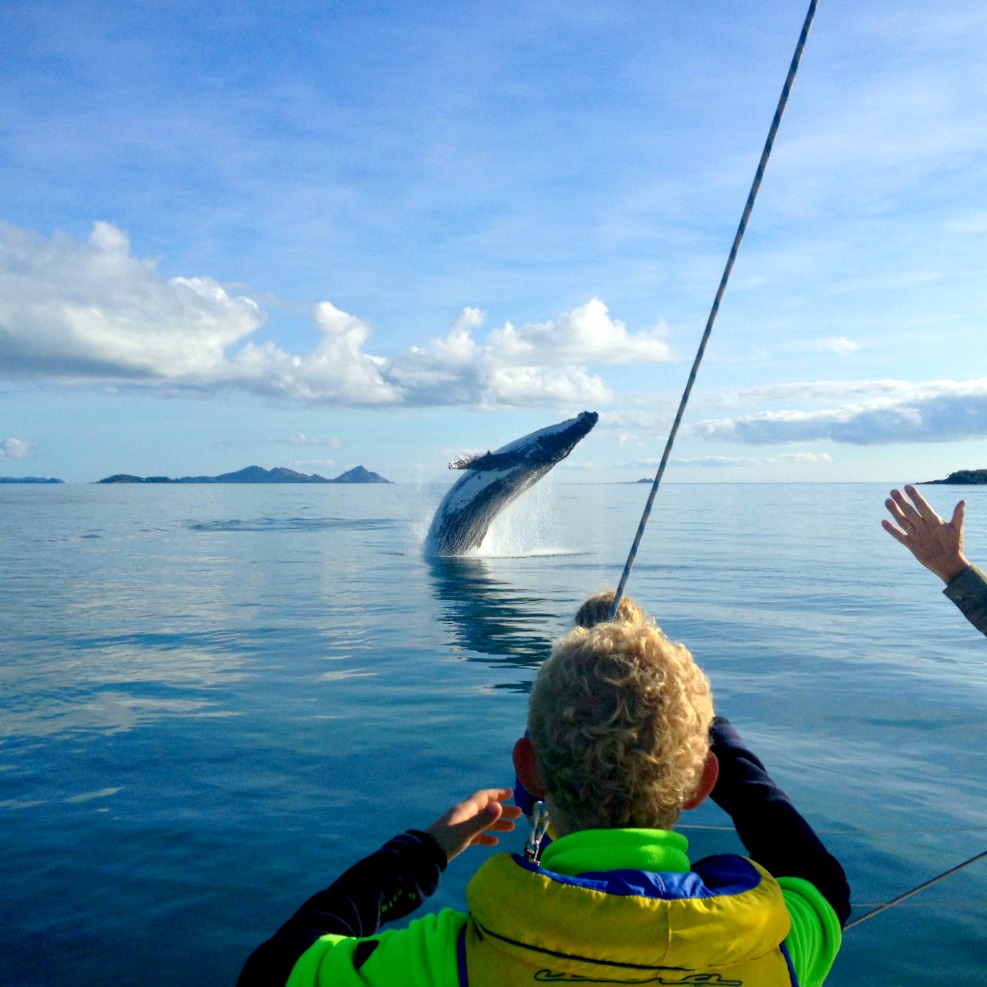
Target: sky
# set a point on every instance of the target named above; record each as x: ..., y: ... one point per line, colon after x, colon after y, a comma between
x: 318, y: 235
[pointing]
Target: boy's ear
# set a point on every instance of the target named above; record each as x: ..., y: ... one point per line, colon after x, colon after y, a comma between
x: 707, y: 782
x: 526, y: 767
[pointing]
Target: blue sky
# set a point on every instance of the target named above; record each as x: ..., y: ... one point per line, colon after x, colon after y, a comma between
x: 391, y: 233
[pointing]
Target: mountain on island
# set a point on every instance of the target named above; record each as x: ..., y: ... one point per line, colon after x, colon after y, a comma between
x: 256, y: 474
x: 359, y: 475
x: 29, y: 479
x: 968, y: 477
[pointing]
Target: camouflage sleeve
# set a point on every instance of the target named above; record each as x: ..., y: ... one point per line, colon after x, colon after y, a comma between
x: 969, y: 592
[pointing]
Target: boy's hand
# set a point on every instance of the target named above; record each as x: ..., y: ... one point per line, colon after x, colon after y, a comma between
x: 935, y: 542
x: 474, y: 821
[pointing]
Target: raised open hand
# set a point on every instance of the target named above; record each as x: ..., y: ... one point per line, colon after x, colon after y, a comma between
x: 935, y: 542
x: 474, y: 821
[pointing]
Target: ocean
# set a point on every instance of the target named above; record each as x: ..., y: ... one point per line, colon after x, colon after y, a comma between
x: 216, y: 698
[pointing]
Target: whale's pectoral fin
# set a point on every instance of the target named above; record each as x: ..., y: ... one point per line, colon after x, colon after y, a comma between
x: 488, y: 461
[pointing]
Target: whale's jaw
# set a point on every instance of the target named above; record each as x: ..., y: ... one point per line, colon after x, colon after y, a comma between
x: 490, y: 482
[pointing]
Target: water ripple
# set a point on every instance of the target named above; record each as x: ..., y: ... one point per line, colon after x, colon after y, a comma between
x: 262, y: 524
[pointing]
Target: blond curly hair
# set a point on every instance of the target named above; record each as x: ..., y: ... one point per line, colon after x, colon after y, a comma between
x: 596, y: 610
x: 619, y: 720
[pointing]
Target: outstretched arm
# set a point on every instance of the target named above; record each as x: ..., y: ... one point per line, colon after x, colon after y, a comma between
x: 768, y: 824
x: 938, y: 545
x: 935, y: 542
x: 389, y: 884
x: 782, y: 842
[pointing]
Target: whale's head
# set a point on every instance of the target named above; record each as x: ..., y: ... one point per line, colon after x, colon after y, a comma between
x: 557, y: 441
x: 543, y: 448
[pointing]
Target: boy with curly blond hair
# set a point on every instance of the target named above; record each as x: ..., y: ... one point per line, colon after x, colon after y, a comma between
x: 621, y: 739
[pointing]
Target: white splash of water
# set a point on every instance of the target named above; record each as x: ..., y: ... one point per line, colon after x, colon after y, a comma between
x: 527, y: 527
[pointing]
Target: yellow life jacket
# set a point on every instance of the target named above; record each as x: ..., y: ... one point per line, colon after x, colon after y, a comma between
x: 721, y: 924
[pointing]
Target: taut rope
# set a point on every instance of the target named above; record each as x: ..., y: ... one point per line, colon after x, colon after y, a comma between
x: 741, y: 229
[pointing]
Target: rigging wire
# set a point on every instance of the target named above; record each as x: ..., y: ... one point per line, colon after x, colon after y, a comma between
x: 946, y: 903
x: 741, y: 229
x: 895, y: 830
x: 902, y: 898
x: 915, y: 890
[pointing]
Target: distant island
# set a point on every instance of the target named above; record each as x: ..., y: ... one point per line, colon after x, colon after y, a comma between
x: 967, y: 477
x: 256, y: 474
x: 29, y: 479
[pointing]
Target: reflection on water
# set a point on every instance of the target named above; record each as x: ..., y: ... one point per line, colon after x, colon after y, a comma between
x: 488, y: 616
x: 123, y: 608
x: 292, y: 524
x: 104, y: 712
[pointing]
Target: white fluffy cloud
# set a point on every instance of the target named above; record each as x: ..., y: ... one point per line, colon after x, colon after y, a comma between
x: 585, y: 335
x: 337, y: 371
x: 73, y: 311
x: 70, y: 309
x: 542, y: 362
x: 14, y: 449
x: 932, y: 411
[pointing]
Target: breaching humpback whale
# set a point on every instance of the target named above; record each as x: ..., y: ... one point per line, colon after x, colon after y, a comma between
x: 493, y: 480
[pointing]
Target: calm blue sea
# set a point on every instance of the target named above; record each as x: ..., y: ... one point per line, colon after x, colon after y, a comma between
x: 215, y: 698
